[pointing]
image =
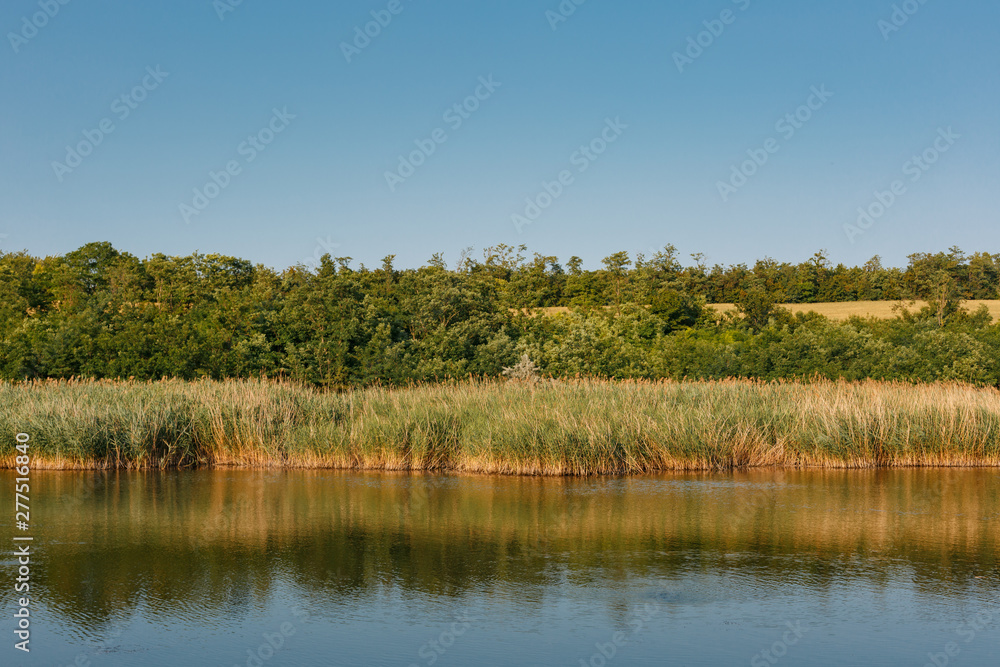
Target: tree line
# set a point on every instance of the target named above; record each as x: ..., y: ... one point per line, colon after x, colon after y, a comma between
x: 99, y: 312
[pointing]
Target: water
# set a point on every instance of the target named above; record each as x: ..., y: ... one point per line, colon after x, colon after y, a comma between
x: 818, y: 568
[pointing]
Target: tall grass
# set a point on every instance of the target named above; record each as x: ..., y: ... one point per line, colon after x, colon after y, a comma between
x: 551, y: 428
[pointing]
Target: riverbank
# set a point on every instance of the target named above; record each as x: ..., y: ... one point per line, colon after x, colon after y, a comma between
x: 547, y: 428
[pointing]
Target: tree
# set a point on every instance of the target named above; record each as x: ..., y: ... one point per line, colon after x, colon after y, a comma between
x: 616, y: 266
x: 757, y: 305
x: 943, y: 297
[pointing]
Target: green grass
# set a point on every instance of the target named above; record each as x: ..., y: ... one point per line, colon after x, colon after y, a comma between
x: 555, y: 428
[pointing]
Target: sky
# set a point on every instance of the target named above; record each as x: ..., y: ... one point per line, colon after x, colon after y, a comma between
x: 280, y: 131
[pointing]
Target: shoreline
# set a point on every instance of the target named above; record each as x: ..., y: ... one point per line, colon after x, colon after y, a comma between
x: 49, y: 466
x: 547, y: 428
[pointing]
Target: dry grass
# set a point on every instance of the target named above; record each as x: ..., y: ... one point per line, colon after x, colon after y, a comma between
x: 549, y: 428
x: 837, y: 311
x: 878, y: 309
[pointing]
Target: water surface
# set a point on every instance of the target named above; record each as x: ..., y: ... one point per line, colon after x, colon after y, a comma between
x: 815, y: 567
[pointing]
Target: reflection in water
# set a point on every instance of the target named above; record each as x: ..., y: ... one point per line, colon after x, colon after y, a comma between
x: 877, y: 564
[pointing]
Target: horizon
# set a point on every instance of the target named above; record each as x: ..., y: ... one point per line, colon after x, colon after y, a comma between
x: 477, y: 254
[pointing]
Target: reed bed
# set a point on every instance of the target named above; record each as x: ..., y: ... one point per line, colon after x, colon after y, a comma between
x: 580, y: 427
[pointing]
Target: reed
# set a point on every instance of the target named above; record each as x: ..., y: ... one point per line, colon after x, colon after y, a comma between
x: 580, y: 427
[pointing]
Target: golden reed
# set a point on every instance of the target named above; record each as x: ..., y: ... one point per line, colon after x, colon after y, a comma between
x: 565, y: 427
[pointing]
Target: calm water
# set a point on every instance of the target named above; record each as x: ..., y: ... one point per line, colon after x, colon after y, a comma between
x: 816, y: 568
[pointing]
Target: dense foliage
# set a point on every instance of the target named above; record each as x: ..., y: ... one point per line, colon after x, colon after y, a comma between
x: 97, y: 312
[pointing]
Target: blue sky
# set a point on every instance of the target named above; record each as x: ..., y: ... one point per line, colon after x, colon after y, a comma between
x: 682, y: 124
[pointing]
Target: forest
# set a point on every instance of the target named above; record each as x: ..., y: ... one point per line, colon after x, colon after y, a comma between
x: 101, y: 313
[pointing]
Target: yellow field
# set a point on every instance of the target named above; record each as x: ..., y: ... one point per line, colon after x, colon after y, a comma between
x: 880, y: 309
x: 838, y: 310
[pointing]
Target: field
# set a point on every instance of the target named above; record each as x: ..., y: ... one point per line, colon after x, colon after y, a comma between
x: 879, y: 309
x: 843, y: 309
x: 546, y: 428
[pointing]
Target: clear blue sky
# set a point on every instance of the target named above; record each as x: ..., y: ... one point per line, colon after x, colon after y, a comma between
x: 324, y: 174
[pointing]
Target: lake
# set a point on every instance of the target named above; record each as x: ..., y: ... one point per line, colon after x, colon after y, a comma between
x: 262, y: 568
